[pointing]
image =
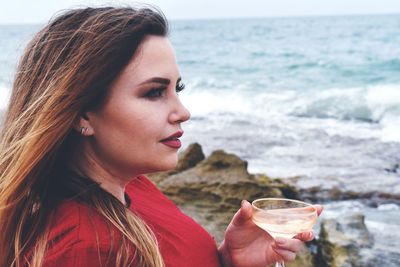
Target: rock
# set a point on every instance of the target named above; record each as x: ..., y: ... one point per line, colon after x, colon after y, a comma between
x: 341, y: 240
x: 393, y: 169
x: 304, y: 259
x: 211, y: 190
x: 190, y: 157
x: 316, y: 194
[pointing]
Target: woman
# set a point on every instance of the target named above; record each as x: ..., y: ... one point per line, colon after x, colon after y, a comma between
x: 94, y: 107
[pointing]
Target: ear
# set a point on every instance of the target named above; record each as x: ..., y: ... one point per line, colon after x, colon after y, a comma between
x: 83, y: 126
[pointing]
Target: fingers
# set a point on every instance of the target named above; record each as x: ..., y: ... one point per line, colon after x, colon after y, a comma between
x: 284, y: 255
x: 293, y: 245
x: 308, y: 236
x: 287, y: 248
x: 305, y: 236
x: 243, y: 215
x: 319, y: 208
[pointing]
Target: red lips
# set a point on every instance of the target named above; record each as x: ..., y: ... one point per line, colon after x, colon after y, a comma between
x: 172, y: 140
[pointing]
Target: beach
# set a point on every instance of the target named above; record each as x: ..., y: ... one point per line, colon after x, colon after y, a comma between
x: 313, y: 101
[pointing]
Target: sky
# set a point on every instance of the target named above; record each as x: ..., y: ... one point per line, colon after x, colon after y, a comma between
x: 40, y: 11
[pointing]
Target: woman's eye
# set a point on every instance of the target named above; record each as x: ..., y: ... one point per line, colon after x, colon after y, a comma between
x: 155, y: 93
x: 180, y: 86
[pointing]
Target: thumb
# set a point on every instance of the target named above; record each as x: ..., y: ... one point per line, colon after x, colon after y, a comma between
x: 243, y: 215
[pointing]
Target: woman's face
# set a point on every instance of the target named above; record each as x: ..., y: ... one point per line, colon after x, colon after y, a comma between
x: 136, y: 131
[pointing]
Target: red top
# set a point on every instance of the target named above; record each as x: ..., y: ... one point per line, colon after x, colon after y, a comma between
x: 182, y: 242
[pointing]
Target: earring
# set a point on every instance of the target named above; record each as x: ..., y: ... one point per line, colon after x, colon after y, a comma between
x: 83, y: 130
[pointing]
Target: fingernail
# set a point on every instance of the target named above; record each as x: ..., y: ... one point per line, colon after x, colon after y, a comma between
x: 280, y: 241
x: 310, y: 235
x: 242, y: 203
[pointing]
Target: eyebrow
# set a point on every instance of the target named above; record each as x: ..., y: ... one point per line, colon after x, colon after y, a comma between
x: 159, y: 80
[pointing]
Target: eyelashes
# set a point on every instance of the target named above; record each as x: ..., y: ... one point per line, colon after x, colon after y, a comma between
x: 160, y: 91
x: 180, y: 87
x: 155, y: 93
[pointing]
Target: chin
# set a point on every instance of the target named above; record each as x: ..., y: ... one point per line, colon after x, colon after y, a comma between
x: 167, y: 164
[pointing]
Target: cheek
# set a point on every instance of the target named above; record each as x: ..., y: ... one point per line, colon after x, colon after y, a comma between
x: 131, y: 123
x: 146, y: 123
x: 142, y: 132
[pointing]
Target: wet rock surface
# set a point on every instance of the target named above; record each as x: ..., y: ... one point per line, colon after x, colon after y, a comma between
x: 320, y: 190
x: 381, y: 222
x: 341, y: 241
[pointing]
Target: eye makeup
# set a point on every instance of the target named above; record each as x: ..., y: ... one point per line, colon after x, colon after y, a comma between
x: 157, y: 86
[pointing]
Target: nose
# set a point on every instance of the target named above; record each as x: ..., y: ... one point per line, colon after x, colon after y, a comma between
x: 180, y: 113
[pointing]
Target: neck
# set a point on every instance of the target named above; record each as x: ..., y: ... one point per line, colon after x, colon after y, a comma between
x: 109, y: 180
x: 117, y: 189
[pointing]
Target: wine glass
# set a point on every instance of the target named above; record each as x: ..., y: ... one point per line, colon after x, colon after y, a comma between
x: 282, y: 217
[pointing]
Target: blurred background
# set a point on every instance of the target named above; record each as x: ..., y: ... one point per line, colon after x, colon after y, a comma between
x: 304, y: 90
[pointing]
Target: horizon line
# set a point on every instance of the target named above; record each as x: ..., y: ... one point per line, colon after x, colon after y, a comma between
x: 239, y: 17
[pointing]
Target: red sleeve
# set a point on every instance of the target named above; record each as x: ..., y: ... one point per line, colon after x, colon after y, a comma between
x: 82, y: 254
x: 81, y: 237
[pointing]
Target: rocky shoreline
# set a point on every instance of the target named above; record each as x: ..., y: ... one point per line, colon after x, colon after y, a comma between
x: 210, y: 189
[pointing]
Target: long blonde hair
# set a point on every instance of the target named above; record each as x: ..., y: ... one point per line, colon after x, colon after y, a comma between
x: 65, y: 71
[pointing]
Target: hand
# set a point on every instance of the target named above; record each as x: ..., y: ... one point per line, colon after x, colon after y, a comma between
x: 247, y: 245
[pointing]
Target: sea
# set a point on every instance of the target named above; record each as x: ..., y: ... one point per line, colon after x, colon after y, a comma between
x: 311, y: 98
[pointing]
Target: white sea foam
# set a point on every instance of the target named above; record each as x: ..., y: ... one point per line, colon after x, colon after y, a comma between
x: 388, y: 207
x: 369, y: 112
x: 4, y: 96
x: 391, y: 128
x: 384, y: 101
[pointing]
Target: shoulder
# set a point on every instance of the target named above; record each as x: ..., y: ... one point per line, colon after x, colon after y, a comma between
x: 78, y: 232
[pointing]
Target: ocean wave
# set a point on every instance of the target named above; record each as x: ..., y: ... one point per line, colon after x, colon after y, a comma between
x: 371, y: 104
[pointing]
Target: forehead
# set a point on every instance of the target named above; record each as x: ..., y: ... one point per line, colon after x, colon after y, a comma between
x: 155, y: 57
